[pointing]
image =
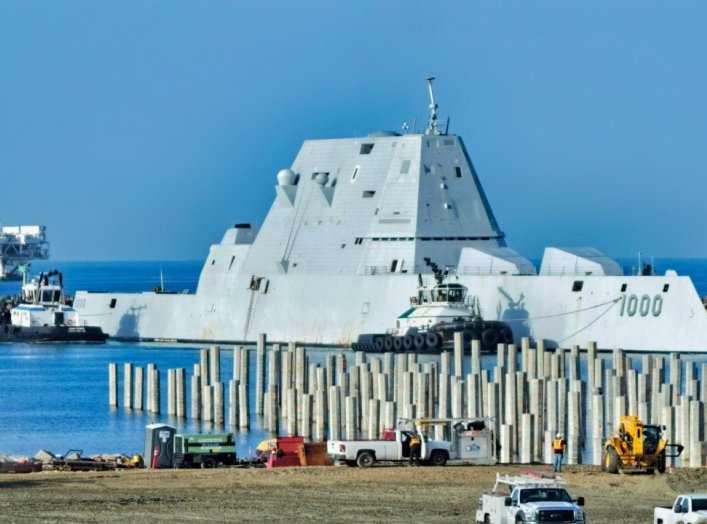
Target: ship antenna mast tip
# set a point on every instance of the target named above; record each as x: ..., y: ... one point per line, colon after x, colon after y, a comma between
x: 432, y: 121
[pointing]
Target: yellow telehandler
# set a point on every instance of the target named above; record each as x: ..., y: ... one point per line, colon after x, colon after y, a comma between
x: 636, y: 447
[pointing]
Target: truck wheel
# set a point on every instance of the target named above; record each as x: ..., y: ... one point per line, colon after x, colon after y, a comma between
x: 438, y: 458
x: 611, y: 461
x: 208, y: 463
x: 365, y: 459
x: 487, y: 519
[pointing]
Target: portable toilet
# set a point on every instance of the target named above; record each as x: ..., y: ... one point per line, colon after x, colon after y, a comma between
x: 159, y: 446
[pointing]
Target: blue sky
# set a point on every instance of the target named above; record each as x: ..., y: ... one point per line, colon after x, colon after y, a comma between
x: 142, y: 130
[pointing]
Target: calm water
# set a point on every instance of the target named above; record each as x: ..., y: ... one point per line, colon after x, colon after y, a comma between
x: 55, y: 397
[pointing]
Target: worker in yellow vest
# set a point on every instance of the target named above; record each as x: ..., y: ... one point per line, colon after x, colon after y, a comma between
x: 558, y: 449
x: 415, y: 444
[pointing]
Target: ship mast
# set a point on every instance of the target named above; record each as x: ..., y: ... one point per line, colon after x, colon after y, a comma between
x: 432, y: 121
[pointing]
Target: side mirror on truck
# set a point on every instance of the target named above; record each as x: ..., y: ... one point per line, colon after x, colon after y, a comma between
x: 507, y: 502
x: 580, y: 501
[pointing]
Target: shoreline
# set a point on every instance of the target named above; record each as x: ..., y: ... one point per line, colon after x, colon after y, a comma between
x: 338, y: 493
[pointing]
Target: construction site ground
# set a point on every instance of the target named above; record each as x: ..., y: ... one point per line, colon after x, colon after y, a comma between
x: 315, y: 494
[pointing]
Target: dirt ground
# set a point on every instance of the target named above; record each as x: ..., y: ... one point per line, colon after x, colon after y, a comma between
x: 331, y: 494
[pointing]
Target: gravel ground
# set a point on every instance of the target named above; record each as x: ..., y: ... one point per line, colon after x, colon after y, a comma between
x: 320, y: 494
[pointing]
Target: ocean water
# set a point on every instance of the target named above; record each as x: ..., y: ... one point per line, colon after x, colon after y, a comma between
x: 55, y: 396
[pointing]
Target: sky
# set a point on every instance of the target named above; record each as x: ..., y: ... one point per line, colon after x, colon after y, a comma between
x: 142, y: 130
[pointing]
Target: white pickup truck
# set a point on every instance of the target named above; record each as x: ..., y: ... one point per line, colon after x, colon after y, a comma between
x: 395, y: 446
x: 529, y: 499
x: 687, y: 509
x: 468, y: 439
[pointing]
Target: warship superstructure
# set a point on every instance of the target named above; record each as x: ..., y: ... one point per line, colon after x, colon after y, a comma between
x: 18, y: 246
x: 341, y: 248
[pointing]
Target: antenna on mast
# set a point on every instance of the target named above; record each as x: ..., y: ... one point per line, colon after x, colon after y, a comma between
x: 432, y: 121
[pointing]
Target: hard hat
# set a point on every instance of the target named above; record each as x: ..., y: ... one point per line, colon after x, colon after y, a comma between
x: 559, y: 435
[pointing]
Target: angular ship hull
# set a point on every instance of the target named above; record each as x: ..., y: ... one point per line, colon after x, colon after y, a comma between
x: 341, y: 247
x: 294, y: 309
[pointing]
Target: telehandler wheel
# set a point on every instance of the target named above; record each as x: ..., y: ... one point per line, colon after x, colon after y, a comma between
x: 660, y: 463
x: 611, y: 462
x: 365, y: 459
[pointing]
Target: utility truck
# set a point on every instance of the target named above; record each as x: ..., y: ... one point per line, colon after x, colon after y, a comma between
x: 687, y: 509
x: 529, y: 498
x: 463, y: 439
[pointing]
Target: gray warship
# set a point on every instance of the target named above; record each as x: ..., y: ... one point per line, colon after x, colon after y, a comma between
x: 340, y: 250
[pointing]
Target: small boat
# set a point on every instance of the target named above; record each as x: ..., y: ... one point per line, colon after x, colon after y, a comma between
x: 435, y: 314
x: 44, y: 314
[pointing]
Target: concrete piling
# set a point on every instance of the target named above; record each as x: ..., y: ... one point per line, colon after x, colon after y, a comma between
x: 181, y: 410
x: 217, y: 392
x: 260, y: 373
x: 291, y: 412
x: 243, y: 418
x: 526, y: 398
x: 113, y: 385
x: 214, y: 365
x: 306, y: 430
x: 137, y: 388
x: 233, y: 402
x: 171, y: 392
x: 204, y: 366
x: 155, y: 398
x: 128, y: 386
x: 207, y: 403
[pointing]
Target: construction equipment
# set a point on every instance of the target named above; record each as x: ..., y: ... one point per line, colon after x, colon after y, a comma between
x: 637, y: 447
x: 207, y: 450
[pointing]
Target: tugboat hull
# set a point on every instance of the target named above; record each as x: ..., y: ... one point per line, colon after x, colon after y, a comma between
x: 439, y: 338
x: 46, y: 334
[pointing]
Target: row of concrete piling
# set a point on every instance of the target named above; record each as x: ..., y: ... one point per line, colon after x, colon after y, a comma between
x: 527, y: 396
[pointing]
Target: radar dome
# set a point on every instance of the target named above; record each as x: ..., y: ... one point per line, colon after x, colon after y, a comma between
x: 286, y: 177
x: 322, y: 178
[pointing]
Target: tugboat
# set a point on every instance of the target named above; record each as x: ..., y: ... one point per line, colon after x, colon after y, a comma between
x: 44, y: 314
x: 436, y: 313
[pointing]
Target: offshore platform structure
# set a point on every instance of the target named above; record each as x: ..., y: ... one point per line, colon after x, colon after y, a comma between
x: 19, y: 245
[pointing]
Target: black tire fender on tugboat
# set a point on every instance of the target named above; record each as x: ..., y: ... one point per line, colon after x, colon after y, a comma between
x: 432, y: 340
x: 397, y: 344
x: 489, y: 337
x: 506, y: 335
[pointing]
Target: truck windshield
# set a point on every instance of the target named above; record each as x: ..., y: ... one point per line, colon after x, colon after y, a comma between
x: 544, y: 495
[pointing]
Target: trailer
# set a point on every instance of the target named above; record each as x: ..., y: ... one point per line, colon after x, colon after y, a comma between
x: 206, y: 450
